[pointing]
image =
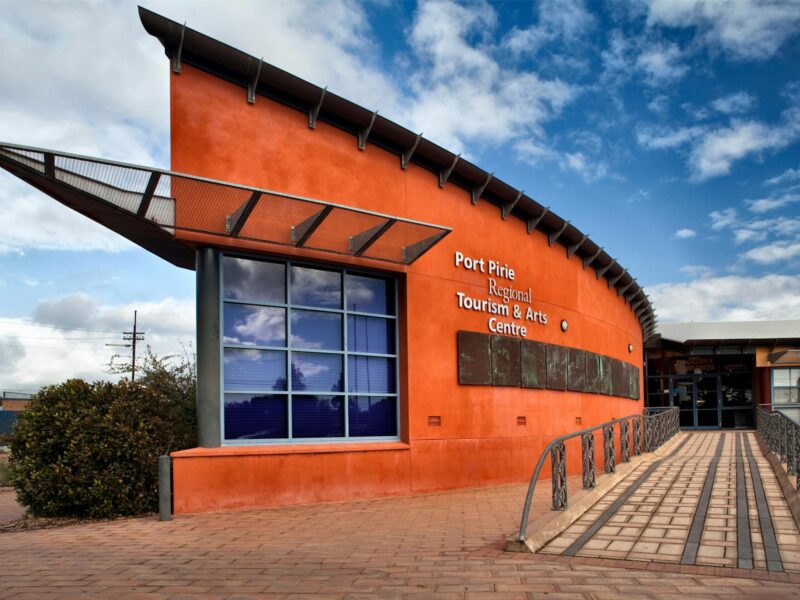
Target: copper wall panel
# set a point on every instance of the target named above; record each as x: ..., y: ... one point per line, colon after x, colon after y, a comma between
x: 617, y: 377
x: 605, y: 378
x: 474, y: 358
x: 533, y: 361
x: 594, y: 374
x: 576, y: 370
x: 634, y: 383
x: 557, y: 360
x: 505, y: 361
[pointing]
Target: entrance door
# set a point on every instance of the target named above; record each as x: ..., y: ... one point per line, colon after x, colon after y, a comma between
x: 697, y: 398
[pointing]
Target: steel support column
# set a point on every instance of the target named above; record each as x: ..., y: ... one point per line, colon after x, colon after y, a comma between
x: 208, y: 348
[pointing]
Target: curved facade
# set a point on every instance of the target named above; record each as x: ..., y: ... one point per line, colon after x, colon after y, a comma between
x: 375, y: 315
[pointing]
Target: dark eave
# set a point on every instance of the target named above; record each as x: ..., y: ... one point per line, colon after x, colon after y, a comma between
x: 185, y: 45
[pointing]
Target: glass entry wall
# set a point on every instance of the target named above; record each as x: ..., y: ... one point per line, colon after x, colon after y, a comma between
x: 712, y: 390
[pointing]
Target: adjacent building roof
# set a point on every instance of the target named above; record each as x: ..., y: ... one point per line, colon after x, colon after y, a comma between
x: 751, y: 333
x: 184, y: 45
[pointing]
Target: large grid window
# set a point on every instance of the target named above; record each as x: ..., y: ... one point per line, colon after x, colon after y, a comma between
x: 786, y: 386
x: 309, y: 353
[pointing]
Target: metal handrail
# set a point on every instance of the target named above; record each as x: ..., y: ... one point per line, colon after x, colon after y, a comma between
x: 664, y: 426
x: 781, y: 436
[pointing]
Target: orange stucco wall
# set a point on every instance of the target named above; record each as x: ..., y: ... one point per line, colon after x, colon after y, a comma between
x: 217, y: 134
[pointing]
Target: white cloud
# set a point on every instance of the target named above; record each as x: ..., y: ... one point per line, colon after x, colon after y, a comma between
x: 762, y: 205
x: 567, y: 20
x: 729, y: 298
x: 786, y: 176
x: 696, y: 271
x: 588, y: 169
x: 774, y: 252
x: 30, y: 220
x: 737, y: 103
x: 720, y: 219
x: 504, y: 104
x: 54, y: 350
x: 741, y: 236
x: 720, y: 148
x: 659, y: 105
x: 661, y: 64
x: 747, y: 29
x: 661, y: 138
x: 684, y: 234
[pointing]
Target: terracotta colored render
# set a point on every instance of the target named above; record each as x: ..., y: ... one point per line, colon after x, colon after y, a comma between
x: 217, y: 134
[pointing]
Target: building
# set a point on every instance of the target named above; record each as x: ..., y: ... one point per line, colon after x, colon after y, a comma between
x: 718, y: 373
x: 375, y: 315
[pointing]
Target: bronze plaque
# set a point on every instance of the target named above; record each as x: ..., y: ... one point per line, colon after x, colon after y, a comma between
x: 557, y: 359
x: 505, y: 361
x: 533, y: 360
x: 474, y: 358
x: 617, y: 378
x: 626, y: 379
x: 605, y: 380
x: 594, y: 373
x: 576, y: 370
x: 634, y: 383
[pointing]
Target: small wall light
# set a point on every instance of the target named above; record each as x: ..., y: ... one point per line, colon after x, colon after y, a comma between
x: 630, y: 347
x: 564, y: 324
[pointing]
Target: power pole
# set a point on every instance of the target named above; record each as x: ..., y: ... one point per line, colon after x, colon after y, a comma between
x: 133, y: 337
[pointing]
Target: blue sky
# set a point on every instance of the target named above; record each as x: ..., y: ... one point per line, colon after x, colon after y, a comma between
x: 669, y: 131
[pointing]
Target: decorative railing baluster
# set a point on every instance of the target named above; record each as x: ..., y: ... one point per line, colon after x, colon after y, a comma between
x: 558, y: 460
x: 791, y: 457
x: 653, y: 430
x: 624, y: 442
x: 608, y: 449
x: 587, y: 454
x: 797, y: 455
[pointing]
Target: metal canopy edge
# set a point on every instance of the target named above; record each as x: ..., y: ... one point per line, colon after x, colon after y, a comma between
x: 140, y: 203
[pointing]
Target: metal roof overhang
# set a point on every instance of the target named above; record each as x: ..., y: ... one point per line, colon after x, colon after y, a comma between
x: 152, y: 207
x: 185, y: 45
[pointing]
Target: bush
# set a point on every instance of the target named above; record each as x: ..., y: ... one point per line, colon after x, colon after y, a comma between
x: 90, y: 449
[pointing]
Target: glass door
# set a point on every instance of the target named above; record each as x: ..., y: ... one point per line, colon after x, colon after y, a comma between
x: 682, y: 395
x: 706, y: 401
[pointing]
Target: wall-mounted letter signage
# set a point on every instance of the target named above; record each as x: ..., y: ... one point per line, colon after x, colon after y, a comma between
x: 510, y: 308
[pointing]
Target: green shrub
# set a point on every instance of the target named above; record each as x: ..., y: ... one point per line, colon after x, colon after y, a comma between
x: 91, y: 449
x: 5, y: 473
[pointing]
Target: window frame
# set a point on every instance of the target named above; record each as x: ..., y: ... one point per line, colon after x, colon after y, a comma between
x: 782, y: 387
x: 344, y: 353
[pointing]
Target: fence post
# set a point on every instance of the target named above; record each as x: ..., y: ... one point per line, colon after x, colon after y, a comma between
x: 558, y: 459
x: 587, y: 454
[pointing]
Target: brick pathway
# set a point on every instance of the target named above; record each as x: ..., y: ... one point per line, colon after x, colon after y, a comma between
x: 687, y: 511
x: 440, y: 546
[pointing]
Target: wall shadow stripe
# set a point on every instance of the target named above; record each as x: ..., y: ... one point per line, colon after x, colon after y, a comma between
x: 617, y: 504
x: 744, y: 546
x: 696, y: 532
x: 771, y: 551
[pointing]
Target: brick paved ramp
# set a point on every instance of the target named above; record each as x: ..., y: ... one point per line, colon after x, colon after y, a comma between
x: 714, y: 501
x: 441, y: 546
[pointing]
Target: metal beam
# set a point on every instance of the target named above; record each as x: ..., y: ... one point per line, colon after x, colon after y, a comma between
x: 176, y: 55
x: 313, y: 112
x: 571, y: 250
x: 478, y: 191
x: 251, y: 87
x: 621, y: 291
x: 405, y: 157
x: 612, y: 281
x: 588, y: 260
x: 413, y: 251
x: 361, y: 242
x: 49, y: 165
x: 532, y: 223
x: 602, y: 271
x: 553, y: 236
x: 364, y: 133
x: 149, y: 191
x: 507, y: 208
x: 235, y: 222
x: 445, y: 175
x: 208, y: 264
x: 302, y: 231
